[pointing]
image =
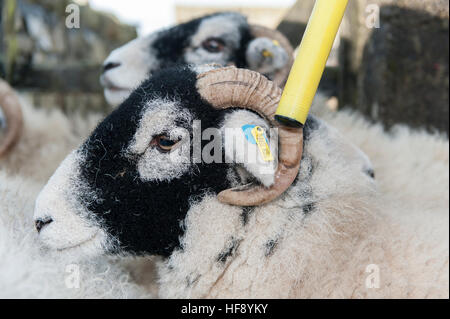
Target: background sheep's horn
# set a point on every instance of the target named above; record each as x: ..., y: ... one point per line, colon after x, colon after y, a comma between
x: 260, y: 31
x: 11, y: 114
x: 232, y: 87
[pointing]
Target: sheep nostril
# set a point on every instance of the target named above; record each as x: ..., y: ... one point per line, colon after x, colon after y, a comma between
x: 110, y: 66
x: 40, y: 223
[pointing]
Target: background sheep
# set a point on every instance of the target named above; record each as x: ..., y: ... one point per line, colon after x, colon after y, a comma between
x: 46, y: 138
x: 332, y: 209
x: 223, y: 38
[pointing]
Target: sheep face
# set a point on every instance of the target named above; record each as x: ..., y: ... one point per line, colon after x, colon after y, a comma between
x: 122, y: 190
x: 223, y: 38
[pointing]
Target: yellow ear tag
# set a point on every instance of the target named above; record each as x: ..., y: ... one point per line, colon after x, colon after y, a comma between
x: 261, y: 140
x: 267, y: 54
x: 276, y: 43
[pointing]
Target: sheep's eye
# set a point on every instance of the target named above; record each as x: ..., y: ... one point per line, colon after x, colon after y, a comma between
x: 213, y: 45
x: 163, y: 143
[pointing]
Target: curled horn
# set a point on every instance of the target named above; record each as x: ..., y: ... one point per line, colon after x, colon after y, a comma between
x: 238, y: 88
x: 10, y: 107
x: 260, y: 31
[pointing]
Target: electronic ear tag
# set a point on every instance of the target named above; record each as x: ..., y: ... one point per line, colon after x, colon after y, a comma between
x: 261, y: 140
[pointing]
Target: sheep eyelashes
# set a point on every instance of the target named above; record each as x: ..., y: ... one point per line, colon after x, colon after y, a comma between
x: 223, y: 38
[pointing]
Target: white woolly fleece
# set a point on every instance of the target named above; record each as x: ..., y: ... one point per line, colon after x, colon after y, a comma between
x: 27, y: 271
x: 47, y: 137
x: 405, y: 231
x: 285, y: 251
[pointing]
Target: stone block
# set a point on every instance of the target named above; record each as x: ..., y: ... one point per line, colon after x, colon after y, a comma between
x: 399, y: 72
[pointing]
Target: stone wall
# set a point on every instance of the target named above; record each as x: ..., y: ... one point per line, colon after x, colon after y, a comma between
x: 399, y: 72
x: 54, y: 65
x: 294, y: 23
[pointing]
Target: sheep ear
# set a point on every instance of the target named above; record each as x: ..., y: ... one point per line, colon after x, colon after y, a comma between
x: 250, y: 143
x: 270, y: 53
x: 266, y: 56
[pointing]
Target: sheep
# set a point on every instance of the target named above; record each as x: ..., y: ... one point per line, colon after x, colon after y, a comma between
x: 223, y: 38
x: 420, y: 198
x: 46, y: 137
x: 127, y: 191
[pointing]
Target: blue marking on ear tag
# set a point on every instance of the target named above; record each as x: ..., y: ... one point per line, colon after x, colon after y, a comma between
x: 247, y: 129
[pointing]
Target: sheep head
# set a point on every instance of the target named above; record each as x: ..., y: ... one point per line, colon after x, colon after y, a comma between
x: 224, y: 38
x: 11, y: 121
x: 128, y: 187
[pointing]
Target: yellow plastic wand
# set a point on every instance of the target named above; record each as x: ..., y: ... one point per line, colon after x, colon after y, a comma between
x: 310, y: 62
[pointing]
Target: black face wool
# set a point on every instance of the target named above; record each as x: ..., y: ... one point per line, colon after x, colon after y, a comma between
x: 311, y: 125
x: 240, y: 58
x: 170, y: 44
x: 145, y: 217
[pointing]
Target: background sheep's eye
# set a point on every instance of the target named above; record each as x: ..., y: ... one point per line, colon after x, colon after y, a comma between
x: 163, y: 143
x: 213, y: 45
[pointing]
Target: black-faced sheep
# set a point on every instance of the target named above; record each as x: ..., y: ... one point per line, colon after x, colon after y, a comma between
x: 127, y: 189
x: 223, y: 38
x: 408, y: 239
x: 124, y: 191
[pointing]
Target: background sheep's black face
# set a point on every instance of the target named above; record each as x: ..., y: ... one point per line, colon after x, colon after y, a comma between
x: 119, y: 191
x: 221, y: 38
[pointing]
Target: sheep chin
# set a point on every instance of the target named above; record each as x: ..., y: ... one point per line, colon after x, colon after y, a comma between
x: 92, y: 247
x: 115, y: 96
x: 80, y: 244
